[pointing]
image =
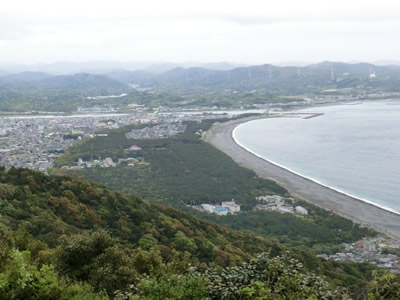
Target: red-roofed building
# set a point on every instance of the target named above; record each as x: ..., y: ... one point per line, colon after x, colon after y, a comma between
x: 232, y: 206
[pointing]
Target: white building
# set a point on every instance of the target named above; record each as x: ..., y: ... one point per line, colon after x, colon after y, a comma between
x: 301, y: 210
x: 285, y: 209
x: 231, y: 206
x: 208, y: 208
x: 269, y: 199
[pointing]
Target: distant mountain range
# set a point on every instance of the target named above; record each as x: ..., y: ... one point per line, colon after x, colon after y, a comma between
x: 99, y: 67
x: 102, y: 67
x: 98, y: 84
x: 4, y: 73
x: 274, y: 79
x: 23, y: 77
x: 387, y: 63
x: 265, y: 78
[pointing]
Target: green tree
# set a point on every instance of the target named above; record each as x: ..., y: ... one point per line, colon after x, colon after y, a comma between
x: 384, y: 286
x: 97, y: 259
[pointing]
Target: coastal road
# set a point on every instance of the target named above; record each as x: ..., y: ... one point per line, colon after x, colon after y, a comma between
x: 220, y: 136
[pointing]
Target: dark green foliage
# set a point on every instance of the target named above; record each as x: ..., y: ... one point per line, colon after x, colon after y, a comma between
x: 320, y: 231
x: 99, y: 260
x: 394, y: 251
x: 96, y: 259
x: 21, y: 279
x: 383, y: 286
x: 265, y: 277
x: 49, y: 206
x: 162, y: 267
x: 173, y: 287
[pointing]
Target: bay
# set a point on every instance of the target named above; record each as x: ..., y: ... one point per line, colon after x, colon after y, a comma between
x: 354, y: 149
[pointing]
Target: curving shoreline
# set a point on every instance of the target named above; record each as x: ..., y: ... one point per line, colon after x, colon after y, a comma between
x: 309, y: 178
x: 368, y: 214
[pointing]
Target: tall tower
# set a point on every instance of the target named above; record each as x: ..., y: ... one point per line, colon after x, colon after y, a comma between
x: 372, y: 75
x: 333, y: 77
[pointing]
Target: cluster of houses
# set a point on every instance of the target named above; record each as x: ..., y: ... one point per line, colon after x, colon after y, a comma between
x: 371, y: 250
x: 278, y: 203
x: 157, y: 131
x: 106, y: 163
x: 266, y: 203
x: 229, y: 207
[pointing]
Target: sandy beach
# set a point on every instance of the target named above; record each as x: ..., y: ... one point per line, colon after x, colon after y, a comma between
x: 220, y: 136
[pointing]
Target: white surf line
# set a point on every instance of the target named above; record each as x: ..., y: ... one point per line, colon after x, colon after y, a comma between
x: 310, y: 178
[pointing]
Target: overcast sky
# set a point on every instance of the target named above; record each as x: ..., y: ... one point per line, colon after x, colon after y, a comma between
x: 247, y: 31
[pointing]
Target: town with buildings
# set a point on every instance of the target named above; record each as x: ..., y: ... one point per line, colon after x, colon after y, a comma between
x: 372, y: 250
x: 35, y: 141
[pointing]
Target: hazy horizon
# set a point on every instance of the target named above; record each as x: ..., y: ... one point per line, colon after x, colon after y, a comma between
x: 253, y: 33
x: 70, y: 67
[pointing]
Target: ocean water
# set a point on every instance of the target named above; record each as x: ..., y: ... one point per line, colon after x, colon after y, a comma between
x: 354, y: 149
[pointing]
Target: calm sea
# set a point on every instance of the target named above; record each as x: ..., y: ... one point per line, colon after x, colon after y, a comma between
x: 351, y: 148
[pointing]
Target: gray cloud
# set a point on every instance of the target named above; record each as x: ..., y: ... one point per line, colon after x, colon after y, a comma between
x: 251, y: 20
x: 14, y: 28
x: 207, y: 34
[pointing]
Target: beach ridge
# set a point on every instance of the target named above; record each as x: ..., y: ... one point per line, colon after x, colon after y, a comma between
x: 361, y: 211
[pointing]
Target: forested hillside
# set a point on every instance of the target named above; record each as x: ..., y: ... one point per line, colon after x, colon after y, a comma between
x: 51, y: 206
x: 56, y: 244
